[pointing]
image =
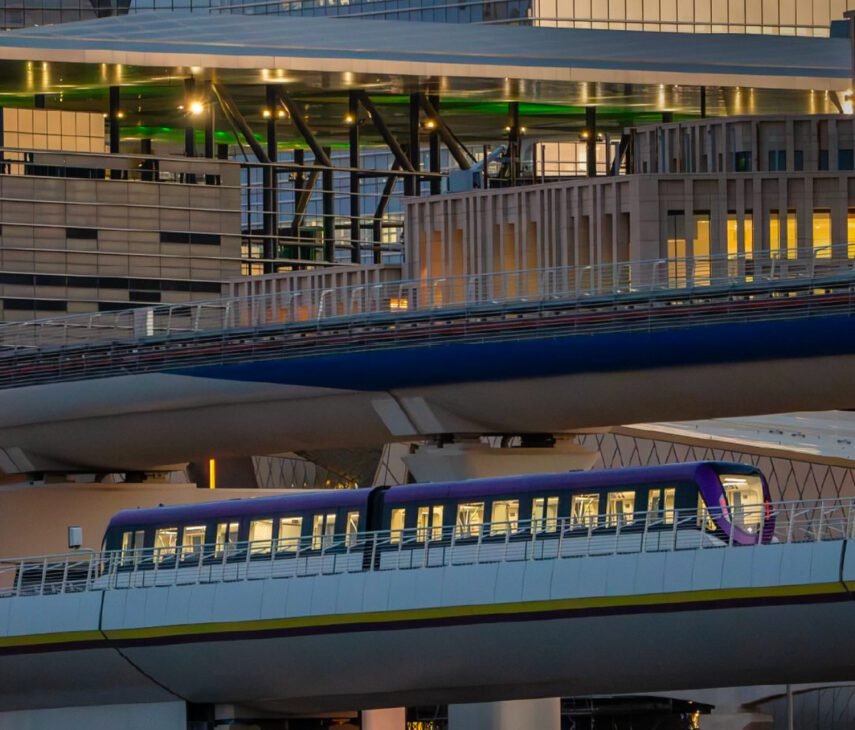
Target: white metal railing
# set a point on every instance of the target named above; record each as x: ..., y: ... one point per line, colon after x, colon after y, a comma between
x: 442, y: 293
x: 550, y: 538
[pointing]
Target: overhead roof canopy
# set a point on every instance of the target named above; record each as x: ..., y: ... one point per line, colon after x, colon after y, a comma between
x: 471, y: 51
x: 476, y: 69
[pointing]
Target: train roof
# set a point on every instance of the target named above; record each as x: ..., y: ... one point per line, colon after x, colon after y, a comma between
x: 469, y: 489
x: 593, y: 479
x: 241, y: 507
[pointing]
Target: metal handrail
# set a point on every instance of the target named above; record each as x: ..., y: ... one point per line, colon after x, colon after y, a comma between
x: 548, y: 538
x: 657, y: 277
x: 374, y: 330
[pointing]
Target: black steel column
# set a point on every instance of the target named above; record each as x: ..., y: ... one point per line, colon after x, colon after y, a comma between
x: 513, y: 141
x: 113, y: 119
x: 355, y: 208
x: 703, y: 104
x: 435, y: 163
x: 667, y: 117
x: 411, y: 182
x: 189, y: 131
x: 269, y: 182
x: 299, y: 183
x: 209, y: 122
x: 328, y: 205
x: 40, y: 101
x: 591, y: 140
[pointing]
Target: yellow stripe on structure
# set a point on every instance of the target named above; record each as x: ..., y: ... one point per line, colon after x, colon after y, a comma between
x: 379, y: 618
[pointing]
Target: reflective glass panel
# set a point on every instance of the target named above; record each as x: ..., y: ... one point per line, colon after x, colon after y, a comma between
x: 505, y: 517
x: 165, y: 542
x: 192, y: 540
x: 544, y: 514
x: 396, y: 524
x: 745, y: 498
x: 290, y: 529
x: 352, y: 527
x: 261, y: 536
x: 620, y: 508
x: 584, y: 509
x: 227, y: 537
x: 470, y: 517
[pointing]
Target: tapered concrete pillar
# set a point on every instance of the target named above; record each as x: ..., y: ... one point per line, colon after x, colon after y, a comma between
x: 515, y: 715
x: 391, y: 718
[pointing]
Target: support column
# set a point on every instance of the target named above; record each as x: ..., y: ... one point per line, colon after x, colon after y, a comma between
x: 209, y: 122
x: 703, y: 100
x: 270, y: 184
x: 40, y: 101
x: 355, y: 208
x: 113, y: 119
x: 435, y: 163
x: 299, y: 187
x: 392, y: 718
x: 591, y: 141
x: 328, y: 205
x: 189, y: 131
x: 529, y: 714
x: 411, y: 183
x: 514, y: 140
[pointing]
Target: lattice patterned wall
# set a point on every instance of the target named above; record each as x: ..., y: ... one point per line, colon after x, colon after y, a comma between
x: 788, y: 478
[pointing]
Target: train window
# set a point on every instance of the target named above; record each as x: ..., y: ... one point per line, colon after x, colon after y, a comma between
x: 290, y: 529
x: 584, y: 510
x: 620, y: 508
x: 133, y: 542
x: 352, y: 527
x: 544, y: 514
x: 192, y: 540
x: 744, y: 494
x: 261, y: 536
x: 396, y: 524
x: 227, y: 537
x: 165, y: 542
x: 429, y: 523
x: 504, y: 518
x: 470, y: 517
x: 660, y: 505
x: 323, y: 529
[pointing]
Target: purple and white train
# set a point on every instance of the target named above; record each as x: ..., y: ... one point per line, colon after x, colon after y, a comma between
x: 724, y: 502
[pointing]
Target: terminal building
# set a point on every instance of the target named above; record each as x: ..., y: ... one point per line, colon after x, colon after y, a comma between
x: 158, y: 153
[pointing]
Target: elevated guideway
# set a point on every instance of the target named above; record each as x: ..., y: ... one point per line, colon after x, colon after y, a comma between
x: 524, y: 352
x: 368, y: 622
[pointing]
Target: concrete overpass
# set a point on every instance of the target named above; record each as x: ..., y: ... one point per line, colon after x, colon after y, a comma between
x: 464, y: 622
x: 526, y: 352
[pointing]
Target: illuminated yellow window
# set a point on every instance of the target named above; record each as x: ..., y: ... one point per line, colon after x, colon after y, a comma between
x: 192, y: 540
x: 733, y: 249
x: 620, y: 508
x: 792, y: 235
x: 584, y: 509
x: 701, y: 249
x: 165, y: 542
x: 544, y: 514
x: 505, y: 516
x: 227, y: 537
x: 775, y: 249
x: 323, y: 529
x: 261, y: 536
x: 290, y: 529
x: 732, y: 236
x: 429, y: 523
x: 660, y: 505
x: 822, y: 234
x: 352, y: 527
x: 783, y: 239
x: 850, y: 234
x: 397, y: 523
x: 470, y: 517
